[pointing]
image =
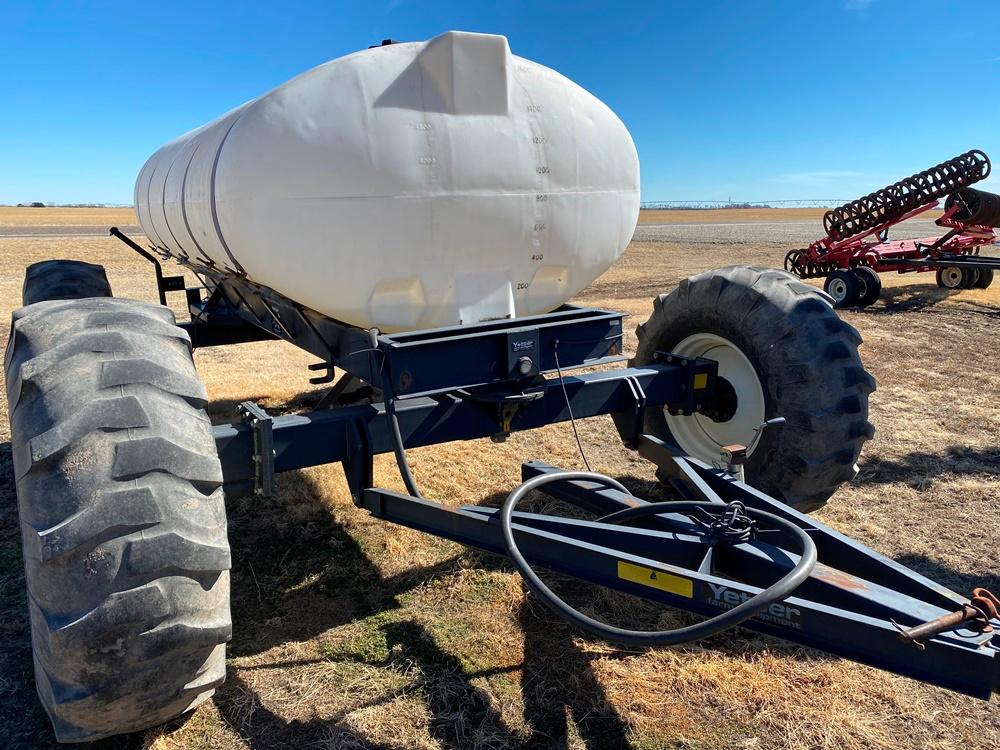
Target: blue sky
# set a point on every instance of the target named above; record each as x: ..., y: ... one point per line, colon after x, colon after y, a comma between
x: 746, y: 100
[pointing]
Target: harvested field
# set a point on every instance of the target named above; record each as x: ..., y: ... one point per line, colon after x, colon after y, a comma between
x: 734, y: 215
x: 723, y: 215
x: 352, y: 633
x: 11, y: 216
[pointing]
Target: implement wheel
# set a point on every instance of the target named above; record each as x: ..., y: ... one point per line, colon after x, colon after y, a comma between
x: 985, y: 278
x: 950, y: 277
x: 122, y: 518
x: 782, y: 352
x: 844, y: 288
x: 871, y: 283
x: 970, y: 278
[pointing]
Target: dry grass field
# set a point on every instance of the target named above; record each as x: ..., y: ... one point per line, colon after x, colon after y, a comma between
x: 57, y: 216
x: 352, y: 633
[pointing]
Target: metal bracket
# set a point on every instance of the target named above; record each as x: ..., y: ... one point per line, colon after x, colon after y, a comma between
x: 359, y: 462
x: 697, y: 383
x: 504, y: 405
x: 631, y: 421
x: 324, y: 367
x: 507, y: 410
x: 164, y: 284
x: 261, y: 424
x: 172, y: 284
x: 522, y: 353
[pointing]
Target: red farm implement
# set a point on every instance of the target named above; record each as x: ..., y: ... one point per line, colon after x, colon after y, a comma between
x: 856, y: 248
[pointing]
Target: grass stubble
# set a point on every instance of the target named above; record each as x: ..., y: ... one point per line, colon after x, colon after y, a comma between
x: 353, y: 633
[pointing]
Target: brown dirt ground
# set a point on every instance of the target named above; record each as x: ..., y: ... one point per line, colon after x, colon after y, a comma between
x: 352, y: 633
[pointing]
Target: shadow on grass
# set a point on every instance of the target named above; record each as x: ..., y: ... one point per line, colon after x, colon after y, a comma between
x: 293, y: 582
x: 923, y: 297
x: 909, y: 298
x: 264, y: 729
x: 557, y: 679
x: 919, y: 468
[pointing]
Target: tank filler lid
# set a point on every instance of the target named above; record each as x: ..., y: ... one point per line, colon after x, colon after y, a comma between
x: 458, y: 73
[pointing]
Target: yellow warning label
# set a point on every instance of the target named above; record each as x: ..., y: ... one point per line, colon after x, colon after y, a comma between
x: 700, y: 381
x: 657, y: 579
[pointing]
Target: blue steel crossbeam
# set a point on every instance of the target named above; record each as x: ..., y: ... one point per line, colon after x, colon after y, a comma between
x: 353, y: 434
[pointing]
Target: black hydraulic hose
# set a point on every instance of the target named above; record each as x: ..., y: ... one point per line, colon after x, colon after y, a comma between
x: 397, y: 438
x: 771, y: 595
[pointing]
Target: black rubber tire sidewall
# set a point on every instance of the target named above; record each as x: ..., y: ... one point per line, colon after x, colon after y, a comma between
x: 872, y: 285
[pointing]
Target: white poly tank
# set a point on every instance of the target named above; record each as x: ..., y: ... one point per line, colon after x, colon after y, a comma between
x: 405, y: 186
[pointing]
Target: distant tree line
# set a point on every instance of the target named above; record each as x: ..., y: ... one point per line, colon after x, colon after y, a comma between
x: 39, y: 204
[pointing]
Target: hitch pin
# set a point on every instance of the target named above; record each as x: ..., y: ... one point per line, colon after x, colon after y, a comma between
x: 983, y: 607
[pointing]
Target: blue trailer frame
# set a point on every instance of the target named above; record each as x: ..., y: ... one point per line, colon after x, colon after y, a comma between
x: 494, y: 378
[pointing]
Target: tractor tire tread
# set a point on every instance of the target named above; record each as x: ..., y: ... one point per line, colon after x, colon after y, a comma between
x: 64, y: 279
x: 122, y: 514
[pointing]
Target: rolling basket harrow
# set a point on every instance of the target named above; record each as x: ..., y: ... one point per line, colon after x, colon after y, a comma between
x: 856, y: 248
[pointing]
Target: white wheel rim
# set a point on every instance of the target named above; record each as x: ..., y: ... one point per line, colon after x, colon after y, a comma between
x: 837, y: 289
x: 699, y: 436
x: 951, y: 276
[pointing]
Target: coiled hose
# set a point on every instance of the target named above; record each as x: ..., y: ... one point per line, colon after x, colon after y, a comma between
x: 728, y: 619
x: 756, y: 604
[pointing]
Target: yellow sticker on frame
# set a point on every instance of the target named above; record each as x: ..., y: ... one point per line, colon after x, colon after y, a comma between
x: 656, y: 579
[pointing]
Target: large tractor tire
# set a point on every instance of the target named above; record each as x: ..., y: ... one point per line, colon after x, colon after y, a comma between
x: 782, y: 352
x: 123, y: 523
x: 63, y: 279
